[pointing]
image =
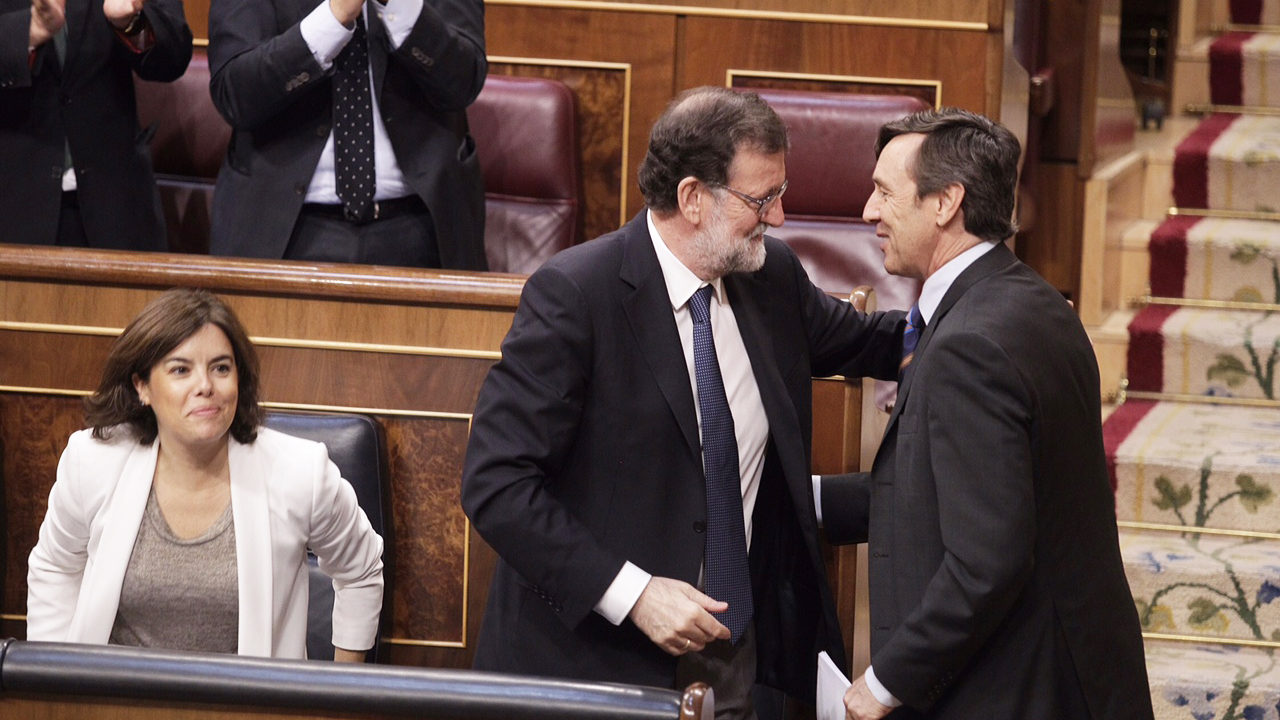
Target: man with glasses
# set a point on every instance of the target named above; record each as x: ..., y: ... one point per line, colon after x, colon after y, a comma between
x: 639, y: 457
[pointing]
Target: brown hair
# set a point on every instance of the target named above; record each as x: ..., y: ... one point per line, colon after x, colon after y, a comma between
x: 965, y: 148
x: 699, y: 134
x: 164, y: 324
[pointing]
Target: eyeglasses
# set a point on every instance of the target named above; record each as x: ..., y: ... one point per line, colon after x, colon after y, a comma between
x: 762, y: 205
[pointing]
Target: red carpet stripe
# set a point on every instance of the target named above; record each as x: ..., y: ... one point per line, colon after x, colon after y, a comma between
x: 1146, y: 348
x: 1191, y: 162
x: 1118, y: 426
x: 1226, y: 68
x: 1168, y: 251
x: 1246, y: 12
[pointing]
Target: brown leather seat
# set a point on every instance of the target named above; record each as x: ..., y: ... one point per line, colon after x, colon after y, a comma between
x: 833, y: 137
x: 526, y: 134
x: 189, y: 142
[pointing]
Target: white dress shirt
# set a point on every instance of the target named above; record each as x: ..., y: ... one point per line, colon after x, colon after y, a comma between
x: 327, y: 37
x: 751, y: 427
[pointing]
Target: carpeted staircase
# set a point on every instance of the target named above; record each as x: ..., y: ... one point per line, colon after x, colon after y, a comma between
x: 1197, y: 443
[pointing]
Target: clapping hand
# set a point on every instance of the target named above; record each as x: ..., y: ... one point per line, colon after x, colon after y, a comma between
x: 47, y: 18
x: 120, y: 12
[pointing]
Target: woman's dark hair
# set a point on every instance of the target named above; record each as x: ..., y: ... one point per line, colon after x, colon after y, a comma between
x: 164, y: 324
x: 972, y: 151
x: 699, y: 134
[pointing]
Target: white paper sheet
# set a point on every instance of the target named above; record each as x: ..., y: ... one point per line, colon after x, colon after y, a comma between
x: 831, y: 687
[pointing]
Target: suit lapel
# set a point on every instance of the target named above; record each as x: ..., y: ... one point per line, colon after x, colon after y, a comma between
x: 379, y: 42
x: 648, y: 309
x: 77, y: 14
x: 251, y: 513
x: 745, y: 294
x: 120, y: 524
x: 995, y: 259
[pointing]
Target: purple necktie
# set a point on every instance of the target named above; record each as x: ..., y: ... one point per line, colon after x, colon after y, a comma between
x: 726, y: 574
x: 910, y: 338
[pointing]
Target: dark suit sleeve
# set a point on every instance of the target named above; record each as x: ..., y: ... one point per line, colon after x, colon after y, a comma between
x: 843, y: 341
x: 525, y: 421
x: 257, y: 67
x: 167, y: 58
x: 977, y: 432
x: 445, y: 53
x: 846, y: 507
x: 15, y: 34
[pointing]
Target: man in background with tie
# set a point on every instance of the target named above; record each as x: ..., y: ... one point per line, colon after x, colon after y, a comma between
x: 75, y: 169
x: 350, y: 138
x: 639, y: 457
x: 996, y: 584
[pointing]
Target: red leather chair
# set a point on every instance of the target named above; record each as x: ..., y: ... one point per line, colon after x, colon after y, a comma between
x: 833, y: 137
x: 187, y: 148
x: 526, y: 134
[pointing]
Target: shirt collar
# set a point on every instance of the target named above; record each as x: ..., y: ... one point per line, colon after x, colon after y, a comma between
x: 680, y: 280
x: 937, y: 284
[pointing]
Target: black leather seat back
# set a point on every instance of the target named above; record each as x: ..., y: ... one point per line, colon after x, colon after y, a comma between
x: 357, y: 447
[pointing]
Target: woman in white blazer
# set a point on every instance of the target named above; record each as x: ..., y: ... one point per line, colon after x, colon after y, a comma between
x: 176, y: 435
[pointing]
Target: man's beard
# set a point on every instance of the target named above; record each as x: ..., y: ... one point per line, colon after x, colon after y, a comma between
x: 722, y: 254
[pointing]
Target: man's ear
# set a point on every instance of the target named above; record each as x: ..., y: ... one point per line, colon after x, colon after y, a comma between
x: 949, y: 200
x: 690, y: 199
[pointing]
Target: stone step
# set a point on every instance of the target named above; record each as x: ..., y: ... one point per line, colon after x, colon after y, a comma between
x: 1204, y: 585
x: 1191, y: 75
x: 1111, y: 347
x: 1212, y: 682
x: 1216, y: 259
x: 1230, y: 163
x: 1195, y: 465
x: 1219, y: 353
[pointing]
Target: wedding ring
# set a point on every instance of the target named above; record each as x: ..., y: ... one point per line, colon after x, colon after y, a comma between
x: 687, y: 643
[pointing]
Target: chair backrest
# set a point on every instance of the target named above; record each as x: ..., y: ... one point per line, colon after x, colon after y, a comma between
x: 833, y: 137
x: 357, y: 447
x: 526, y: 135
x: 188, y: 144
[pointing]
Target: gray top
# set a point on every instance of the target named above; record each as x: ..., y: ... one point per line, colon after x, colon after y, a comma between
x: 180, y: 594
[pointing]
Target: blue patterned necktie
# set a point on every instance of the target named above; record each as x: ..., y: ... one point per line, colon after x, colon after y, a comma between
x: 353, y: 127
x: 726, y: 574
x: 910, y: 338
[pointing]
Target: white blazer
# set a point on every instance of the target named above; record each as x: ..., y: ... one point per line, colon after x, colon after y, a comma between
x: 286, y: 496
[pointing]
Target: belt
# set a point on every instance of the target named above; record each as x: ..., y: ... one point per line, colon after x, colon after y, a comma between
x: 382, y: 209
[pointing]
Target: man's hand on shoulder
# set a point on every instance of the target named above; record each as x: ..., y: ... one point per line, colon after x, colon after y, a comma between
x: 860, y: 704
x: 676, y: 617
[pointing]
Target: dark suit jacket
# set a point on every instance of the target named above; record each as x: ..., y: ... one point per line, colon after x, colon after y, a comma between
x: 270, y: 88
x: 585, y: 453
x: 996, y: 584
x: 89, y: 104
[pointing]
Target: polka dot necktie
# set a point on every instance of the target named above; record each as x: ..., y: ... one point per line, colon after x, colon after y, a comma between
x: 725, y: 572
x: 353, y: 127
x: 910, y: 338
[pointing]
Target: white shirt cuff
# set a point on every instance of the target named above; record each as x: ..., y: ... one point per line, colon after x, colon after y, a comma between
x: 617, y: 601
x: 324, y: 34
x: 882, y: 694
x: 817, y: 497
x: 399, y: 17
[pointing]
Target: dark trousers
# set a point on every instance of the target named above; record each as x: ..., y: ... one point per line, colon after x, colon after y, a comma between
x: 406, y: 239
x: 70, y: 224
x: 729, y: 669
